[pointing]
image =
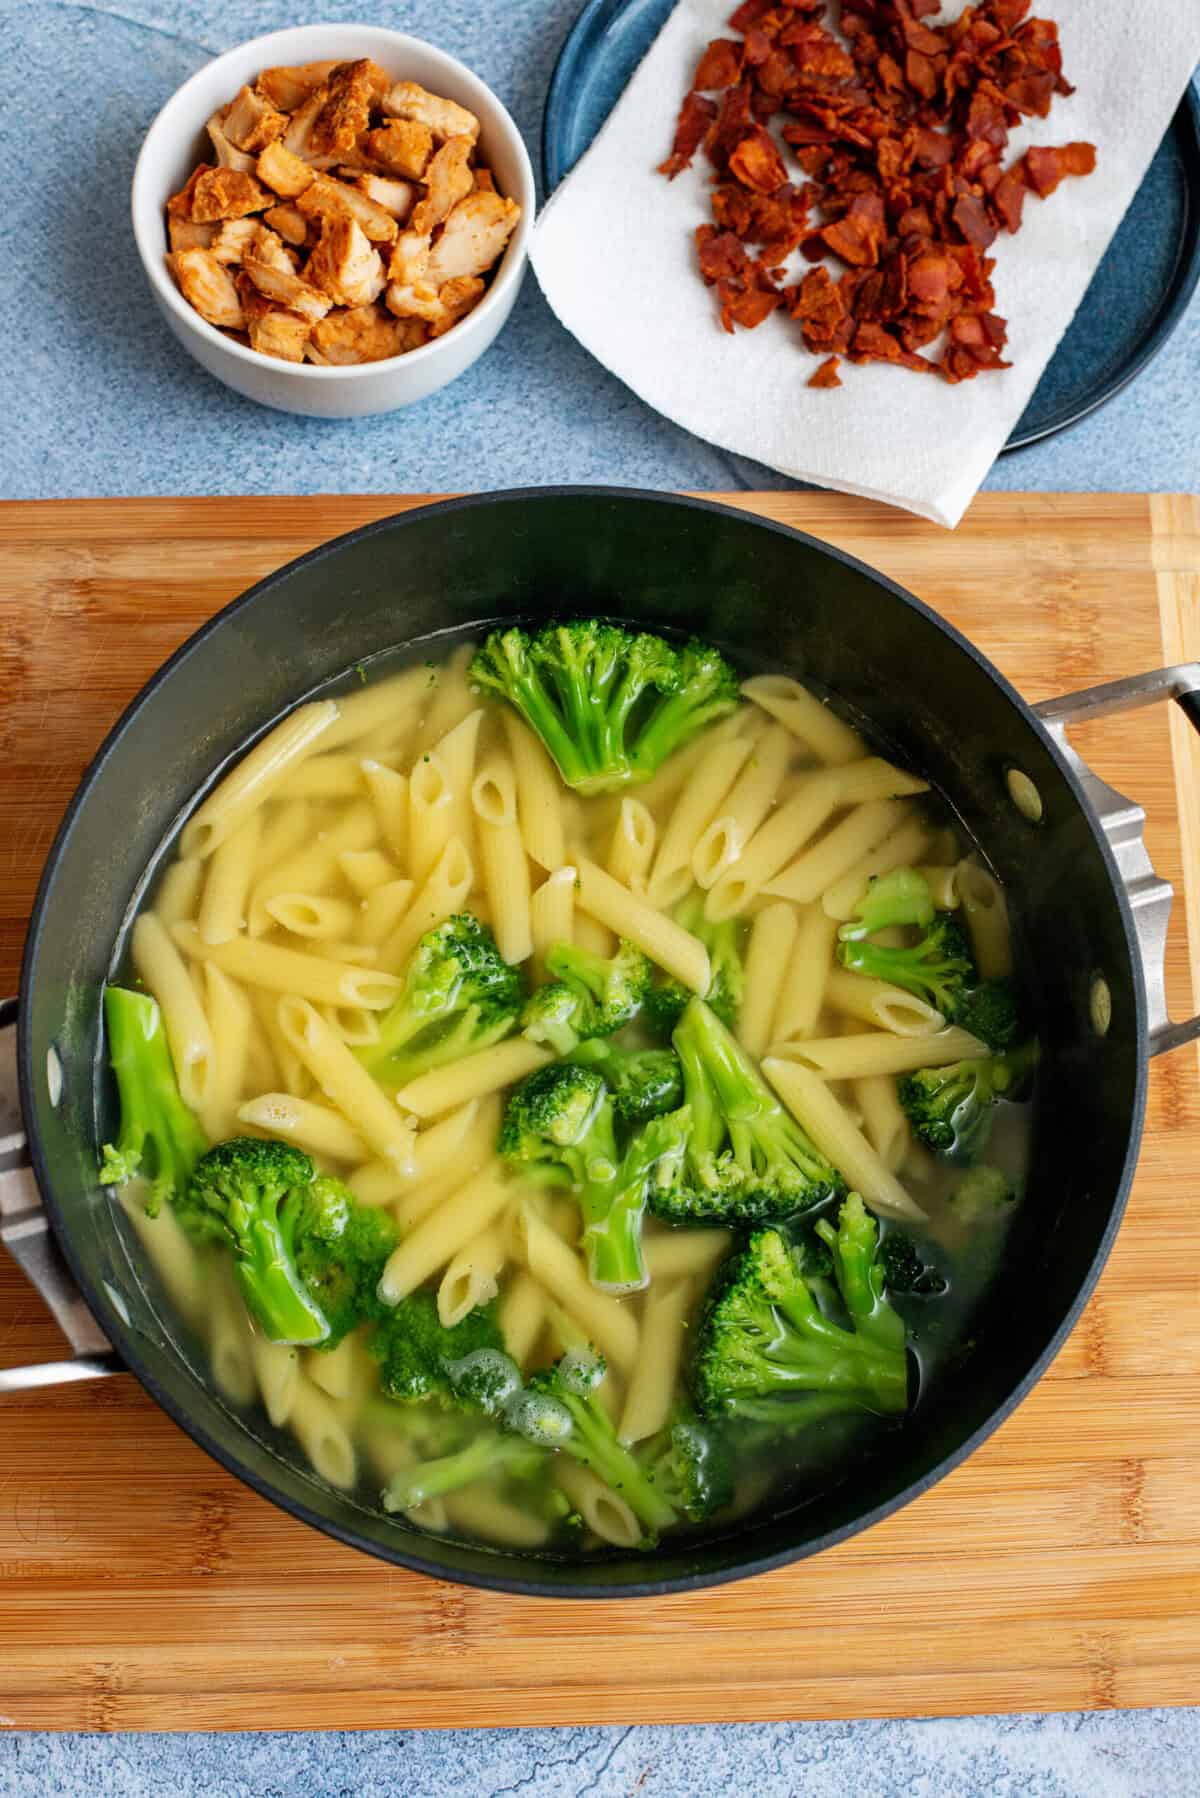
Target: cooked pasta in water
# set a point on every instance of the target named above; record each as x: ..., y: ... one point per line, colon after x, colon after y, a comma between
x: 568, y: 1089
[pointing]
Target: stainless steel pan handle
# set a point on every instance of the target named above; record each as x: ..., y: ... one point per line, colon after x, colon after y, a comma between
x: 26, y: 1234
x: 1123, y: 823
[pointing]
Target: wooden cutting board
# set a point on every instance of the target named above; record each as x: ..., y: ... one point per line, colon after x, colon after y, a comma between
x: 143, y: 1588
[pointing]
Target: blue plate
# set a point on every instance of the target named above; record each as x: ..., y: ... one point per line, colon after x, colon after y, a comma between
x: 1137, y: 295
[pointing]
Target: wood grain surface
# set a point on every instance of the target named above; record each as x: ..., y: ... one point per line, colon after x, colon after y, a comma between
x: 143, y: 1588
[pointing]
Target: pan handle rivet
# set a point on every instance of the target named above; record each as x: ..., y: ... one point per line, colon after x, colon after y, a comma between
x: 1024, y: 795
x: 1100, y: 1005
x: 54, y: 1076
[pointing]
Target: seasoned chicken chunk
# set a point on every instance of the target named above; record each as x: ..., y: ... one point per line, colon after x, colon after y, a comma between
x: 227, y: 154
x: 290, y: 223
x: 396, y: 197
x: 409, y: 257
x: 289, y: 290
x: 472, y: 238
x: 252, y: 122
x: 448, y: 179
x: 403, y: 148
x: 485, y: 181
x: 439, y: 309
x: 347, y: 110
x: 185, y: 234
x: 445, y: 118
x: 362, y: 334
x: 208, y: 287
x: 276, y: 332
x: 226, y: 194
x: 179, y: 206
x: 327, y: 198
x: 298, y: 138
x: 289, y: 88
x: 284, y: 173
x: 233, y: 239
x: 345, y: 266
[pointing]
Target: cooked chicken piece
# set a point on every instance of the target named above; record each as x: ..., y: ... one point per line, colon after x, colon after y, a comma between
x: 439, y: 309
x: 226, y: 153
x: 402, y: 149
x: 287, y: 289
x: 179, y: 206
x: 185, y: 234
x: 208, y: 287
x: 298, y: 138
x: 345, y: 266
x: 362, y: 334
x: 235, y: 237
x: 289, y: 88
x: 448, y: 179
x: 347, y: 111
x: 290, y: 223
x: 472, y: 238
x: 409, y: 257
x: 227, y: 194
x: 485, y: 181
x: 444, y: 117
x: 277, y: 332
x: 327, y: 198
x: 270, y: 248
x: 284, y: 173
x: 396, y: 197
x: 252, y: 122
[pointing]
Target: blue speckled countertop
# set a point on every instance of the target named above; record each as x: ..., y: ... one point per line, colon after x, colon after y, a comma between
x: 100, y: 401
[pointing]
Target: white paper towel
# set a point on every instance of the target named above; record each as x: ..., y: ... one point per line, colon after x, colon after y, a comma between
x: 615, y: 256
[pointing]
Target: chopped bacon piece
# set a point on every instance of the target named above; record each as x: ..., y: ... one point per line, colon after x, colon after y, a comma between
x: 971, y: 216
x: 1008, y: 199
x: 695, y: 116
x: 827, y: 374
x: 722, y: 255
x: 720, y: 66
x: 1044, y: 169
x: 756, y: 162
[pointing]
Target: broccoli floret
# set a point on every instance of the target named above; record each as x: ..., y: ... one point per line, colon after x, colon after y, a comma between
x: 982, y: 1195
x: 608, y: 703
x: 905, y: 1270
x: 642, y: 1083
x: 589, y: 995
x: 990, y: 1012
x: 491, y: 1453
x: 415, y: 1351
x: 668, y: 999
x: 238, y: 1196
x: 159, y: 1138
x: 936, y: 968
x: 901, y: 897
x: 559, y: 1125
x: 340, y: 1249
x: 459, y: 996
x: 692, y: 1467
x: 765, y: 1340
x: 950, y: 1109
x: 559, y: 1409
x: 747, y: 1159
x: 484, y: 1380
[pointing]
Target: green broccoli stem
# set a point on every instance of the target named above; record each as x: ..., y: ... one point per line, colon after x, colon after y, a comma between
x: 823, y: 1357
x: 612, y: 1207
x: 595, y: 1444
x: 854, y: 1246
x: 486, y: 1454
x: 158, y: 1136
x: 568, y: 749
x: 273, y: 1290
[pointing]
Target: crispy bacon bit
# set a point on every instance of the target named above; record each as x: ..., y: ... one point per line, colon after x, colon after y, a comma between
x: 901, y: 127
x: 827, y: 374
x: 695, y: 116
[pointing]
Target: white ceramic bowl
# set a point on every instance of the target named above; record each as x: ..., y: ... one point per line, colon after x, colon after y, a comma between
x: 177, y: 141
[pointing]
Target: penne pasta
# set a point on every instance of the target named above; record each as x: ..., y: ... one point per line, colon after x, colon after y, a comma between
x: 286, y: 824
x: 161, y: 968
x: 986, y: 913
x: 942, y: 881
x: 522, y: 1317
x: 344, y: 1080
x: 803, y: 982
x: 324, y: 777
x: 178, y: 893
x: 784, y: 833
x: 842, y: 848
x: 381, y: 911
x: 456, y: 751
x: 673, y: 1253
x: 476, y: 1150
x: 485, y: 1514
x: 430, y: 811
x: 654, y: 1381
x: 312, y: 915
x: 256, y: 776
x: 382, y: 1183
x: 744, y: 807
x: 874, y: 778
x: 444, y: 892
x: 879, y: 1052
x: 314, y: 1421
x: 312, y: 868
x: 381, y: 705
x: 367, y: 869
x: 899, y: 849
x: 291, y: 971
x: 807, y: 717
x: 472, y: 1277
x: 883, y: 1121
x: 228, y: 1328
x: 229, y: 1020
x: 334, y: 1370
x: 603, y: 1511
x: 429, y: 1095
x: 438, y: 1238
x: 552, y: 916
x: 277, y: 1371
x: 502, y: 855
x: 223, y: 903
x: 664, y: 941
x: 818, y: 1112
x: 539, y: 795
x: 388, y: 792
x: 608, y: 1322
x: 314, y: 1128
x: 170, y: 1252
x: 768, y: 956
x: 451, y: 696
x: 877, y: 1002
x: 696, y: 805
x: 632, y: 846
